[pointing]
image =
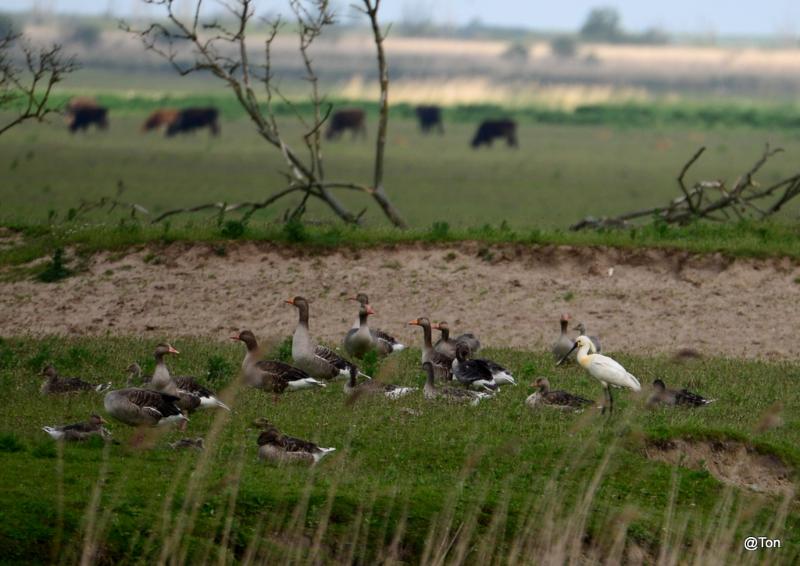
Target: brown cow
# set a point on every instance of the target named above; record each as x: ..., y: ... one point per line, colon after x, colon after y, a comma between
x: 490, y: 129
x: 159, y: 118
x: 347, y: 119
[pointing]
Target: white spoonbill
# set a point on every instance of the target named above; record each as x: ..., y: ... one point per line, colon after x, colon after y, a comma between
x: 604, y: 369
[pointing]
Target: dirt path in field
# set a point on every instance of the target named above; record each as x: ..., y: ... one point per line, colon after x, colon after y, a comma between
x: 640, y: 301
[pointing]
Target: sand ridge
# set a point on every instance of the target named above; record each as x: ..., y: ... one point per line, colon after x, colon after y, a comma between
x: 638, y: 301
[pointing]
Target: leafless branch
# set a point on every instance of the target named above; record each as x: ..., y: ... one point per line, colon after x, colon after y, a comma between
x: 706, y: 200
x: 31, y: 82
x: 191, y: 45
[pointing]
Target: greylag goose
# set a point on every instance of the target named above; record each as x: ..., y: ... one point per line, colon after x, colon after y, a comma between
x: 359, y: 341
x: 447, y: 345
x: 135, y: 377
x: 192, y: 395
x: 388, y: 390
x: 663, y: 396
x: 441, y: 363
x: 544, y: 397
x: 607, y: 371
x: 384, y: 342
x: 135, y: 406
x: 564, y: 343
x: 55, y: 383
x: 195, y: 443
x: 474, y: 374
x: 452, y: 394
x: 581, y: 328
x: 316, y: 360
x: 275, y: 446
x: 271, y: 375
x: 79, y: 431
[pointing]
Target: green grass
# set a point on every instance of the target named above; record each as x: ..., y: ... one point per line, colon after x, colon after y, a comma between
x: 560, y: 173
x: 760, y: 240
x: 498, y: 462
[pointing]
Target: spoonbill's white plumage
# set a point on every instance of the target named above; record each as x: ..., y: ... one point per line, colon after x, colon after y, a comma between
x: 607, y: 371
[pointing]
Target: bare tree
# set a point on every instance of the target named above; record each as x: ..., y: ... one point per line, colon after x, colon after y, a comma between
x: 712, y: 199
x: 192, y: 45
x: 27, y: 77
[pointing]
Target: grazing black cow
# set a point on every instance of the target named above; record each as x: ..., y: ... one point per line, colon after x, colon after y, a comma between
x: 190, y: 119
x: 83, y: 117
x: 490, y: 129
x: 347, y: 119
x: 429, y: 117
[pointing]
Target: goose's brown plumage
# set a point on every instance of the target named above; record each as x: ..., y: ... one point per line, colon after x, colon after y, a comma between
x: 276, y: 446
x: 79, y: 431
x: 55, y: 383
x: 192, y: 395
x: 556, y: 399
x: 135, y: 406
x: 452, y: 394
x: 382, y: 342
x: 441, y: 363
x: 271, y: 375
x: 675, y: 397
x: 316, y: 360
x: 447, y: 345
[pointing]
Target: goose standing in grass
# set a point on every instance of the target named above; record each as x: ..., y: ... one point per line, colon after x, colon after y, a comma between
x: 359, y: 341
x: 681, y: 397
x: 55, y: 383
x: 192, y: 395
x: 447, y: 345
x: 355, y: 390
x: 383, y: 342
x: 564, y: 344
x: 80, y: 431
x: 544, y: 397
x: 451, y: 394
x: 135, y: 407
x: 318, y: 361
x: 607, y: 371
x: 277, y: 447
x: 441, y: 363
x: 271, y: 375
x: 581, y: 328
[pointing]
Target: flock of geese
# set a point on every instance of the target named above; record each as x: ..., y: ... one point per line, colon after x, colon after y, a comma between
x: 162, y: 398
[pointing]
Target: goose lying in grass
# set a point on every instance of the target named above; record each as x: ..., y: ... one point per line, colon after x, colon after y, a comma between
x: 451, y: 394
x: 135, y: 407
x: 191, y: 394
x: 474, y: 374
x: 318, y: 361
x: 499, y: 374
x: 674, y: 397
x: 277, y: 447
x: 80, y: 431
x: 271, y: 375
x: 544, y: 397
x: 354, y: 389
x: 361, y: 339
x: 183, y: 443
x: 55, y: 383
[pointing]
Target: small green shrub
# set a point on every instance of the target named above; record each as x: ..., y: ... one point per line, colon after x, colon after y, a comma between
x: 295, y: 231
x: 10, y: 443
x: 55, y: 269
x: 284, y: 351
x: 233, y: 229
x: 218, y: 370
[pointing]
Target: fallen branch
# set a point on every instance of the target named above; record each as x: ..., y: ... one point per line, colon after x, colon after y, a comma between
x: 706, y: 200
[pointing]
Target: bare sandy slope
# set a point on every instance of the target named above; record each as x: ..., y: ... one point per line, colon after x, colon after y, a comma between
x: 653, y: 301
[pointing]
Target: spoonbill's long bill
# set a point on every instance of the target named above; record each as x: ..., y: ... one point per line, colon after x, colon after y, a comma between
x: 607, y: 371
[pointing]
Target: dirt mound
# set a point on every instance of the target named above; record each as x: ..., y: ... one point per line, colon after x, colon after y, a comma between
x: 640, y: 301
x: 731, y: 462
